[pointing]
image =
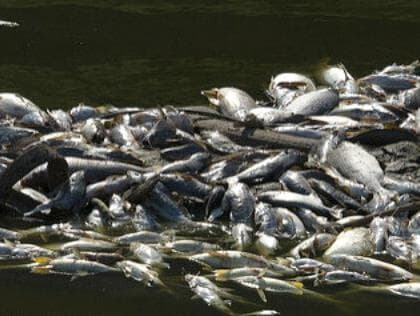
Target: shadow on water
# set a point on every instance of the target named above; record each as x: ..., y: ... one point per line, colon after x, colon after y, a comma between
x: 145, y: 55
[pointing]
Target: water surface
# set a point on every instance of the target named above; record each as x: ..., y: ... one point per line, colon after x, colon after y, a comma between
x: 157, y: 52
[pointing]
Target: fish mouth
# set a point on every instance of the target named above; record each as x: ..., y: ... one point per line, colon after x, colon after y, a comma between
x: 212, y: 95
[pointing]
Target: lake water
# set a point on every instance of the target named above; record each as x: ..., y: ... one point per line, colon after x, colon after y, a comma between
x: 158, y: 53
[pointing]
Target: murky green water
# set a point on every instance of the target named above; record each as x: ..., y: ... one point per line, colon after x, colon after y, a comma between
x: 66, y: 52
x: 157, y: 52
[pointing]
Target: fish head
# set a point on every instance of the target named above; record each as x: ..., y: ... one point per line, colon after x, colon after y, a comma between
x: 77, y: 178
x: 213, y: 96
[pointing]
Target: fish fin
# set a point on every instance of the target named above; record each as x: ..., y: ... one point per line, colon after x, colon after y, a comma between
x: 46, y: 211
x: 41, y: 270
x: 120, y: 251
x: 77, y: 253
x: 204, y: 265
x: 262, y: 296
x: 296, y: 284
x: 42, y: 260
x: 42, y: 208
x: 337, y: 213
x: 164, y: 265
x: 226, y: 289
x: 220, y: 274
x: 79, y: 274
x: 73, y: 277
x: 44, y: 237
x: 195, y: 297
x: 228, y: 302
x: 9, y: 243
x: 262, y: 273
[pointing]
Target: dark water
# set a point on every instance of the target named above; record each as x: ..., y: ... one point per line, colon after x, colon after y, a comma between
x: 157, y: 52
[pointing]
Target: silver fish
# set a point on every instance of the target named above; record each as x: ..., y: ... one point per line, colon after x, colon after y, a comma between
x: 373, y: 267
x: 232, y: 102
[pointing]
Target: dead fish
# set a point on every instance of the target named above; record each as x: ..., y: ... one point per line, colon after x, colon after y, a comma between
x: 89, y: 245
x: 143, y: 219
x: 17, y: 106
x: 354, y: 162
x: 162, y: 203
x: 314, y: 103
x: 122, y: 135
x: 208, y: 294
x: 391, y: 83
x: 229, y: 259
x: 327, y: 190
x: 291, y: 199
x: 148, y: 255
x: 356, y: 241
x: 240, y: 204
x: 75, y: 267
x: 267, y: 116
x: 313, y: 246
x: 83, y: 112
x: 399, y: 248
x: 8, y: 24
x: 114, y: 184
x: 185, y: 185
x: 338, y: 78
x: 414, y: 224
x: 11, y: 134
x: 285, y: 87
x: 289, y: 224
x: 411, y: 290
x: 9, y: 234
x: 309, y: 265
x: 223, y: 169
x: 93, y: 131
x: 410, y: 98
x: 379, y: 229
x: 221, y: 143
x: 373, y: 267
x: 145, y: 237
x: 342, y: 276
x: 192, y: 165
x: 267, y: 234
x: 266, y: 284
x: 188, y: 246
x: 269, y: 168
x: 373, y: 112
x: 213, y: 209
x: 400, y: 69
x: 141, y: 273
x: 232, y: 102
x: 181, y: 152
x: 291, y: 81
x: 95, y: 170
x: 70, y: 198
x: 231, y: 274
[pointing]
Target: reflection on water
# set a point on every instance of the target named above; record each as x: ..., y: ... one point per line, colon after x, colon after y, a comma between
x: 158, y: 54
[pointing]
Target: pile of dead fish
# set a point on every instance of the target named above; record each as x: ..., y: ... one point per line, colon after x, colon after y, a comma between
x: 317, y: 185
